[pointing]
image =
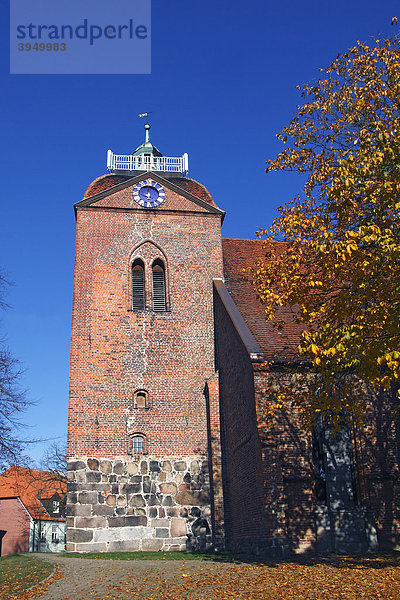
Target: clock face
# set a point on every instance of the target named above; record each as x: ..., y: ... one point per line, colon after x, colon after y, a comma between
x: 148, y: 193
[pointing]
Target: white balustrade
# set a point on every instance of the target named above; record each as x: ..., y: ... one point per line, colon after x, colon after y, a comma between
x: 129, y: 162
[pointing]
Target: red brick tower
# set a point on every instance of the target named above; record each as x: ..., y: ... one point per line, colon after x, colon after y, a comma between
x: 148, y: 246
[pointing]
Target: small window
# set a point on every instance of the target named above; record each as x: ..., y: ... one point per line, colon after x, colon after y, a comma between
x: 159, y: 302
x: 138, y: 293
x: 141, y: 399
x: 54, y: 533
x: 138, y: 444
x: 56, y: 506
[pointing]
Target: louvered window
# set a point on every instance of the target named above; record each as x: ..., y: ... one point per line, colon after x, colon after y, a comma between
x: 159, y: 303
x: 138, y: 296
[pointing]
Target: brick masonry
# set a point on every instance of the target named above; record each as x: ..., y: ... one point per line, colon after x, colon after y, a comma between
x: 115, y: 351
x: 243, y: 485
x: 269, y: 471
x: 288, y: 469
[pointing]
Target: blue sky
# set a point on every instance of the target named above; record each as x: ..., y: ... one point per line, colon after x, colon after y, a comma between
x: 223, y: 83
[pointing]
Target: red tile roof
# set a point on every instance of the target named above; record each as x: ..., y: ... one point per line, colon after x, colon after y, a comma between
x: 107, y: 181
x: 193, y: 187
x: 30, y: 485
x: 103, y: 183
x: 275, y: 344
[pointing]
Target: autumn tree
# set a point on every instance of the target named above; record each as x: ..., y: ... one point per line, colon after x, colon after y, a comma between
x: 340, y: 261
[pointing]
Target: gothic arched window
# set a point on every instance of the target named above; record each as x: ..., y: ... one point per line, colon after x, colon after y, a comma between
x: 138, y: 285
x: 159, y: 300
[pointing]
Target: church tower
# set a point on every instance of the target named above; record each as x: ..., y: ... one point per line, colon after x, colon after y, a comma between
x: 148, y: 246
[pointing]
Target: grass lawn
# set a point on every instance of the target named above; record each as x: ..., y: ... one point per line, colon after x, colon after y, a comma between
x: 17, y: 573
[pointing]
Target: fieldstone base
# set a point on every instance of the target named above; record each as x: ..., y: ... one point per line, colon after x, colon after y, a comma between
x: 145, y: 504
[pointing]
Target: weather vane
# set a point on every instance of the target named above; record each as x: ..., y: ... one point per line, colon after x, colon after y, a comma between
x: 146, y: 114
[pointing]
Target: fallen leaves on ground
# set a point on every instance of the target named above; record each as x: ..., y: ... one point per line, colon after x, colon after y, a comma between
x: 18, y: 573
x: 286, y: 581
x: 348, y: 578
x: 40, y: 588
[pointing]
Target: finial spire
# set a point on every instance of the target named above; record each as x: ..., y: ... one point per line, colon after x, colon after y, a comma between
x: 146, y: 126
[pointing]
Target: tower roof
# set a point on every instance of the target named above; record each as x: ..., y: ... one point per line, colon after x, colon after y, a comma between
x: 105, y: 182
x: 147, y: 148
x: 148, y: 158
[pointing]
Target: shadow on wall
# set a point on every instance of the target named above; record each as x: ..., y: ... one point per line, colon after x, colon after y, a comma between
x: 340, y: 493
x: 378, y: 449
x: 292, y: 496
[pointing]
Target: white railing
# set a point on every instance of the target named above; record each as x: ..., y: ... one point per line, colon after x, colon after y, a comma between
x: 128, y: 162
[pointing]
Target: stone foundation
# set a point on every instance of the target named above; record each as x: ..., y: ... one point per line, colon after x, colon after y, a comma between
x: 143, y: 504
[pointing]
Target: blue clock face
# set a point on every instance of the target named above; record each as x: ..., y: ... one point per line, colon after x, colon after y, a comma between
x: 148, y: 193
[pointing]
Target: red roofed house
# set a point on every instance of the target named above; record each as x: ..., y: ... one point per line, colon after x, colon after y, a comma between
x: 32, y: 511
x: 170, y: 445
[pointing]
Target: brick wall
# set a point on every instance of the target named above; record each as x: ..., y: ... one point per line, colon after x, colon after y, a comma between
x: 241, y: 450
x: 212, y: 394
x: 377, y: 451
x: 288, y: 466
x: 115, y: 351
x: 366, y: 515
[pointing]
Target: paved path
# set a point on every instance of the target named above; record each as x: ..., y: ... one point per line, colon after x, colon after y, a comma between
x: 99, y: 579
